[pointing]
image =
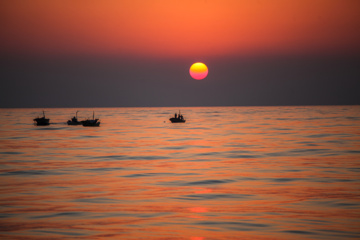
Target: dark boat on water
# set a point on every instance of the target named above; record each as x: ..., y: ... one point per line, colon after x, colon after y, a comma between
x: 42, y: 121
x: 91, y: 122
x: 74, y: 120
x: 178, y: 118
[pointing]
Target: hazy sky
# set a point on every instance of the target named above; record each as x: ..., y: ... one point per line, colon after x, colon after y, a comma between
x: 109, y: 53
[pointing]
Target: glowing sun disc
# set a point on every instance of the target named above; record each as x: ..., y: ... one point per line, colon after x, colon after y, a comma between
x: 198, y: 71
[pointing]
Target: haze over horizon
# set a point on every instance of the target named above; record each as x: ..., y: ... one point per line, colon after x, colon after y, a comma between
x: 138, y: 53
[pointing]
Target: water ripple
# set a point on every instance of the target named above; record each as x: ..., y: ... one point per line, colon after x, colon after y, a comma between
x: 31, y: 173
x: 201, y: 197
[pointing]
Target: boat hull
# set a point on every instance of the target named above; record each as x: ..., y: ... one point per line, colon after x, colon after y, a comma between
x: 90, y: 123
x: 73, y: 123
x: 177, y: 120
x: 42, y: 121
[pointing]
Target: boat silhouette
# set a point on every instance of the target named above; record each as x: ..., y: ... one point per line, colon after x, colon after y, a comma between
x: 91, y: 122
x: 178, y: 118
x: 42, y: 121
x: 74, y: 120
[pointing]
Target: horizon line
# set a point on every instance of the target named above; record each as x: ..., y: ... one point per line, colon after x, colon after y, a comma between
x: 198, y: 106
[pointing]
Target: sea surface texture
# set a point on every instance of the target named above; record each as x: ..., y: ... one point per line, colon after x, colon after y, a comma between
x: 227, y: 173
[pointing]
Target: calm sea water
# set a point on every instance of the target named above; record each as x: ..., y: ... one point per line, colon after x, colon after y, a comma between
x: 227, y: 173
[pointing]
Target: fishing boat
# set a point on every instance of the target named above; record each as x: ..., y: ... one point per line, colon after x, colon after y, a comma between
x: 42, y: 121
x: 178, y: 118
x: 74, y: 120
x: 91, y: 122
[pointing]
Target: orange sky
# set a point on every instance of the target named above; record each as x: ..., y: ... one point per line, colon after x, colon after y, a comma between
x: 179, y: 27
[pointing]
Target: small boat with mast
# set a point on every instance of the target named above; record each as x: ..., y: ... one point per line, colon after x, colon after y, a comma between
x: 74, y: 120
x: 42, y: 121
x: 178, y: 118
x: 91, y: 122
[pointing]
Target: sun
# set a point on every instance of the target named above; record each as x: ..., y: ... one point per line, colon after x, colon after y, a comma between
x: 198, y: 71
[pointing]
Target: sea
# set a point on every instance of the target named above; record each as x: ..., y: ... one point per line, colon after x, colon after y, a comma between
x: 288, y: 172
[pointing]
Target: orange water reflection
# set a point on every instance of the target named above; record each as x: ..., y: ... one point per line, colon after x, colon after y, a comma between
x: 250, y: 173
